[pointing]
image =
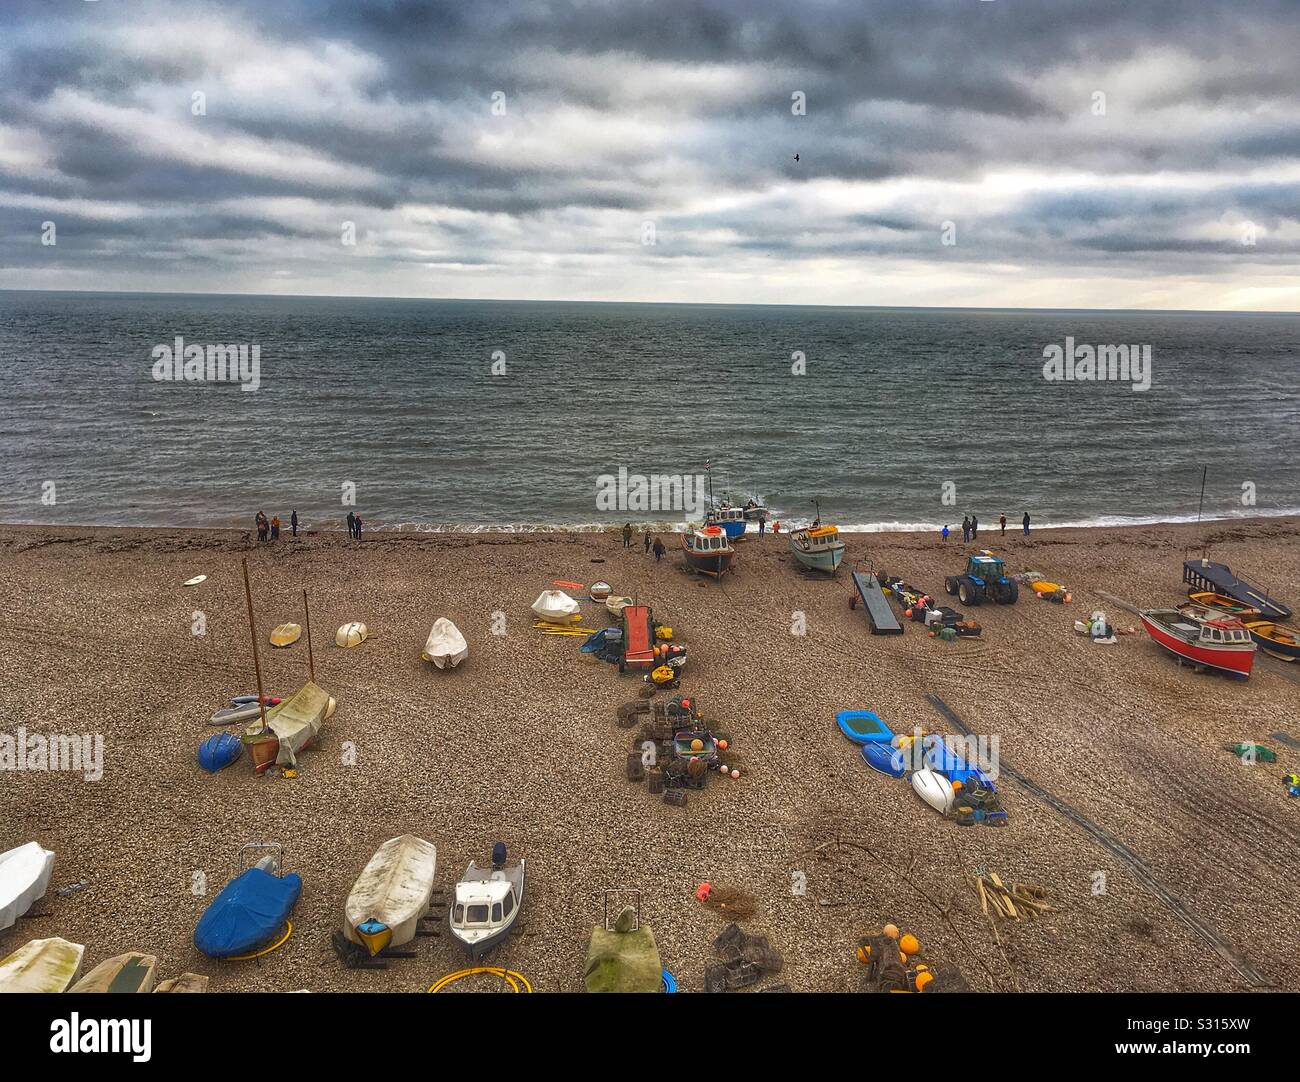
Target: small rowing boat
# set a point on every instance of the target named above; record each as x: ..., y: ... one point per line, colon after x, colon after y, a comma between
x: 131, y: 972
x: 1223, y: 603
x: 446, y: 646
x: 42, y: 965
x: 1280, y: 641
x: 391, y: 894
x: 487, y: 902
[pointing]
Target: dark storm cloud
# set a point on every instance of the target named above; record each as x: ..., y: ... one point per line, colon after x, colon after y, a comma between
x: 672, y: 116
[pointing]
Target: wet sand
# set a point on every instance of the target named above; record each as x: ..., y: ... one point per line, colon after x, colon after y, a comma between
x: 521, y: 744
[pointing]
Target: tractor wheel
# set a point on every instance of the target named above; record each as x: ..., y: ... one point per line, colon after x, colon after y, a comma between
x: 968, y: 594
x: 1012, y: 593
x: 950, y: 584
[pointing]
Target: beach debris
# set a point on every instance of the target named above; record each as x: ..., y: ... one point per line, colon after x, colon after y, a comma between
x: 195, y: 580
x: 1251, y: 753
x: 73, y: 888
x: 746, y: 960
x: 286, y: 635
x: 1097, y: 629
x: 729, y: 902
x: 892, y: 958
x: 599, y: 591
x: 1013, y: 901
x: 351, y: 634
x: 1282, y: 738
x: 1292, y: 784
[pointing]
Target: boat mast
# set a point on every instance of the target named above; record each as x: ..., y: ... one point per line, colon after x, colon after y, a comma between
x: 257, y: 661
x: 1204, y: 470
x: 818, y: 520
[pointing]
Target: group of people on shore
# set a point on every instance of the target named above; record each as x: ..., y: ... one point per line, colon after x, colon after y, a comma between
x: 269, y: 529
x: 652, y: 543
x: 354, y: 526
x: 970, y: 527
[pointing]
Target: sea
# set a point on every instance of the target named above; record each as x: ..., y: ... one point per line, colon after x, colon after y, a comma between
x: 502, y: 415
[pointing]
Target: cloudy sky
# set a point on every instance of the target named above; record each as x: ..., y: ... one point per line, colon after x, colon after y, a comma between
x: 1099, y: 153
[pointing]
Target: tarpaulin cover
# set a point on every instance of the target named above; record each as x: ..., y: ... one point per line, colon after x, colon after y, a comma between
x: 249, y: 911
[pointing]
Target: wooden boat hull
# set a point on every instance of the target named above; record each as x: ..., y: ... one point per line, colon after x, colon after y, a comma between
x: 133, y: 972
x: 1234, y: 662
x: 186, y: 982
x: 1229, y: 605
x: 1275, y: 638
x: 392, y: 893
x: 42, y: 965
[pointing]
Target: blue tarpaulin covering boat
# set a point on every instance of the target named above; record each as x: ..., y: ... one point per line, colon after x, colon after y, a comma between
x: 247, y: 914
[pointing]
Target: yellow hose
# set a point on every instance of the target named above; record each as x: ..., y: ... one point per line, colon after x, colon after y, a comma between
x: 508, y: 975
x: 288, y: 931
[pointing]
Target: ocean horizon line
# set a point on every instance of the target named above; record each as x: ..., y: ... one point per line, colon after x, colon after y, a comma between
x: 729, y: 305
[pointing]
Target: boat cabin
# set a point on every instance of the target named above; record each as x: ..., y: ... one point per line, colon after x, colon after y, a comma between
x: 725, y: 514
x: 484, y: 907
x: 822, y: 537
x: 709, y: 539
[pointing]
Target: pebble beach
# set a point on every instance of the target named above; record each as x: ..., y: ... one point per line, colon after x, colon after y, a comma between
x: 521, y: 744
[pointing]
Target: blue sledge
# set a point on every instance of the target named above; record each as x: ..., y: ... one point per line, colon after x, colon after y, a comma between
x: 863, y: 727
x: 885, y: 758
x: 218, y: 751
x: 248, y: 913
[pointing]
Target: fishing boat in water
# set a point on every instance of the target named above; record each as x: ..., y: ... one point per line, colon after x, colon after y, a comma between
x: 708, y: 550
x: 818, y: 548
x: 486, y: 903
x: 1205, y: 638
x: 730, y: 519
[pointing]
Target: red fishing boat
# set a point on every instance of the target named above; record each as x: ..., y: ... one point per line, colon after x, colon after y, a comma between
x: 1206, y: 638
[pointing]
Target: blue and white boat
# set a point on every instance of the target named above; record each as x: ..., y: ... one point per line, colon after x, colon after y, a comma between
x: 731, y: 520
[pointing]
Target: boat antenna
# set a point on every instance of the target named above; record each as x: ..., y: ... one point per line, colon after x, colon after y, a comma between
x: 1204, y: 470
x: 257, y: 661
x: 311, y: 661
x: 818, y: 520
x: 709, y: 470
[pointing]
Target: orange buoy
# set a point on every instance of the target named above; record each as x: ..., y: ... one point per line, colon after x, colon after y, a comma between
x: 864, y: 954
x: 723, y: 745
x: 891, y: 930
x: 922, y: 979
x: 909, y: 944
x: 703, y: 891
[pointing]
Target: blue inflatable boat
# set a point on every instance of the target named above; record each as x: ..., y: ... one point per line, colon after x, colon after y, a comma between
x: 249, y: 913
x: 863, y: 727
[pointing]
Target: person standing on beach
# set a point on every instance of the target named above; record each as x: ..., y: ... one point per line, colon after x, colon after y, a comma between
x: 762, y: 525
x: 262, y: 526
x: 658, y: 549
x: 945, y: 532
x: 1024, y: 522
x: 352, y: 524
x: 293, y: 522
x: 356, y: 525
x: 965, y: 528
x: 275, y: 528
x: 648, y: 540
x: 627, y: 535
x: 1002, y: 521
x: 974, y: 527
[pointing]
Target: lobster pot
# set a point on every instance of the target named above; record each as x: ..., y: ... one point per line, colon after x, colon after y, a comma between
x: 635, y: 767
x: 654, y: 781
x: 675, y: 797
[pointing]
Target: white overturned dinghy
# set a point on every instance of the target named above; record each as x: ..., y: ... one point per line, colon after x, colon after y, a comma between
x: 487, y: 903
x: 555, y: 606
x: 43, y: 965
x: 392, y: 893
x: 24, y: 877
x: 446, y: 647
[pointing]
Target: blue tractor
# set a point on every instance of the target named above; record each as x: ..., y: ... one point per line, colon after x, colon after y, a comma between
x: 985, y: 579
